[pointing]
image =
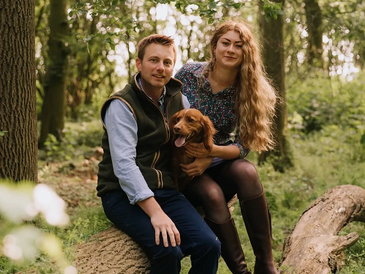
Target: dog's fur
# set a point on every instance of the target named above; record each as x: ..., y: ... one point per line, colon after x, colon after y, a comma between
x: 188, y: 126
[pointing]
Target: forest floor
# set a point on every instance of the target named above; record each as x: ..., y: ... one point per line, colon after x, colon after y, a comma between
x: 74, y: 182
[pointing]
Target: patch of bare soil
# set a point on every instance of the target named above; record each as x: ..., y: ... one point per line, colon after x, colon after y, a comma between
x: 74, y: 182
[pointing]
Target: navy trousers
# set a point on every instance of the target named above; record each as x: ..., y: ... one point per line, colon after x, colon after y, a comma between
x: 197, y: 239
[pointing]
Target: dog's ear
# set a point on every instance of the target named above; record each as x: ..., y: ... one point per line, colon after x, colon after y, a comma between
x: 209, y: 131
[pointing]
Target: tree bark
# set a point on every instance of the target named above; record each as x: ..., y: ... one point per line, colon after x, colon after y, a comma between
x: 314, y: 245
x: 313, y: 15
x: 54, y: 104
x: 272, y: 38
x: 18, y: 116
x: 111, y: 252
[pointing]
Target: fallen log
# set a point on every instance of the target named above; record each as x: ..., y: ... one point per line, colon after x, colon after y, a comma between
x: 314, y: 246
x: 111, y: 252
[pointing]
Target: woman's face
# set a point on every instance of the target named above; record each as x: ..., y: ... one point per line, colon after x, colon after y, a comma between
x: 228, y: 51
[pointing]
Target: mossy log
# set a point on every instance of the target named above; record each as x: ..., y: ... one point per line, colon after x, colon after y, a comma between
x: 314, y: 245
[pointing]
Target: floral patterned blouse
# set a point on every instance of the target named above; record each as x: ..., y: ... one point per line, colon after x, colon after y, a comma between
x: 218, y: 107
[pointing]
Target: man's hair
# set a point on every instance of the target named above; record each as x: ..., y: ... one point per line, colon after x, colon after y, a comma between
x: 155, y: 39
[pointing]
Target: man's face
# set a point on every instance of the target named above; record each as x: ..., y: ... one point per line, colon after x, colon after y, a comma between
x: 157, y: 67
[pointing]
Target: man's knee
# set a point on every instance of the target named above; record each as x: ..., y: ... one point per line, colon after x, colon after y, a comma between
x: 210, y: 244
x: 168, y: 253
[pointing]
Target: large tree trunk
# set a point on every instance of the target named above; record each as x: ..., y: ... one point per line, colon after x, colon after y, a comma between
x: 313, y: 15
x: 90, y: 65
x: 18, y: 116
x: 54, y: 104
x: 314, y: 245
x: 273, y: 53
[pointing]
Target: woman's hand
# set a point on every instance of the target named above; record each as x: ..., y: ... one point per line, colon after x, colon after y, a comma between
x: 198, y: 150
x: 197, y: 167
x: 224, y: 152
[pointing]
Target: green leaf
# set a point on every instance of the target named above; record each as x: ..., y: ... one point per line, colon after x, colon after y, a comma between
x: 272, y: 10
x: 237, y: 5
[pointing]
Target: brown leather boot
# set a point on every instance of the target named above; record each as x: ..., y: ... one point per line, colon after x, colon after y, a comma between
x: 256, y: 216
x: 231, y: 249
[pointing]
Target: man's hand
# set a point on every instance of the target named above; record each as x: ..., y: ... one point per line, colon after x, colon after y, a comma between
x: 197, y: 167
x: 164, y: 226
x: 162, y: 223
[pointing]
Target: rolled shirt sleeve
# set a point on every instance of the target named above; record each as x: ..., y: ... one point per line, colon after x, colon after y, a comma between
x: 122, y: 135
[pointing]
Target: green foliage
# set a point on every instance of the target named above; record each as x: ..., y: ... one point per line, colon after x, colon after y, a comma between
x: 81, y: 135
x: 272, y: 9
x: 318, y: 102
x: 355, y: 255
x: 85, y: 223
x: 344, y: 24
x: 2, y: 133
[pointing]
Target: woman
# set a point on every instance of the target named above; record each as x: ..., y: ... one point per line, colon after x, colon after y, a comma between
x: 233, y: 90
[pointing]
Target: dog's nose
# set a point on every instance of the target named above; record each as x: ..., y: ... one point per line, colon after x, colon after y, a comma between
x: 177, y: 129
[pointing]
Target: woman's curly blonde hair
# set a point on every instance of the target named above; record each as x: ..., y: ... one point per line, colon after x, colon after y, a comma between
x: 255, y: 96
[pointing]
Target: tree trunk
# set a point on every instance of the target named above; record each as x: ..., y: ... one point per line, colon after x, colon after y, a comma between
x: 54, y: 104
x: 314, y: 245
x: 90, y: 65
x: 18, y: 115
x: 111, y: 252
x: 313, y: 15
x: 273, y: 54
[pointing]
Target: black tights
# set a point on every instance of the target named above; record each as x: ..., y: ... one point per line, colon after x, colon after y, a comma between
x: 217, y: 185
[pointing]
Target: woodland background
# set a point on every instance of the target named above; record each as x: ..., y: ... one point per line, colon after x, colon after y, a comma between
x: 60, y: 59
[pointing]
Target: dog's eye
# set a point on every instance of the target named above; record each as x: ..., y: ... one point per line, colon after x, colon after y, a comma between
x: 177, y: 119
x: 190, y: 120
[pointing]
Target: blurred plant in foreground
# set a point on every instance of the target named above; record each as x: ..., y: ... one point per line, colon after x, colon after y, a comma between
x: 20, y: 240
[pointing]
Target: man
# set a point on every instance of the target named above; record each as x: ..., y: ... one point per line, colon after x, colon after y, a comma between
x: 135, y: 180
